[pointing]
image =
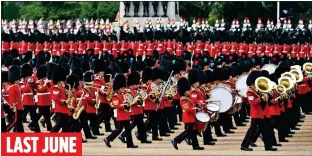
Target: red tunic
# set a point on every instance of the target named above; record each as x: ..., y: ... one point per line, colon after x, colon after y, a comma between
x: 150, y: 47
x: 15, y: 97
x: 170, y: 47
x: 135, y: 109
x: 81, y: 48
x: 97, y: 48
x: 5, y: 46
x: 160, y: 47
x: 179, y: 49
x: 100, y: 83
x: 149, y: 104
x: 198, y: 47
x: 59, y: 97
x: 64, y: 47
x: 106, y: 46
x: 254, y: 101
x: 43, y: 93
x: 47, y: 47
x: 189, y: 47
x: 56, y: 49
x: 189, y: 112
x: 117, y: 102
x: 27, y: 93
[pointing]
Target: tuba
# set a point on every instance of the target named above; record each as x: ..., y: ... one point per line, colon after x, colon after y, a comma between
x: 79, y: 108
x: 307, y: 68
x: 263, y: 86
x: 298, y: 74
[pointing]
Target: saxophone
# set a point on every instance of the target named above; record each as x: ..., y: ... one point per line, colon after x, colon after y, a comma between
x: 70, y: 98
x: 79, y: 108
x: 109, y: 88
x: 97, y: 99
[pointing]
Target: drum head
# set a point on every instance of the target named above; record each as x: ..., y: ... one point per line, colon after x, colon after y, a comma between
x: 213, y: 107
x: 202, y: 117
x: 224, y: 96
x: 241, y: 85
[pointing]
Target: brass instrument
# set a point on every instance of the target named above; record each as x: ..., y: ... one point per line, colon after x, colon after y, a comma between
x: 286, y: 82
x: 154, y: 93
x: 79, y: 108
x: 307, y: 68
x: 263, y: 86
x: 298, y: 74
x: 97, y: 99
x: 170, y: 92
x: 129, y: 100
x: 110, y: 88
x: 70, y: 99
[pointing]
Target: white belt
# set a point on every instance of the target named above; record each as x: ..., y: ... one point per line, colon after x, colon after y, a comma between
x: 28, y: 94
x: 47, y: 93
x: 149, y: 49
x: 96, y: 48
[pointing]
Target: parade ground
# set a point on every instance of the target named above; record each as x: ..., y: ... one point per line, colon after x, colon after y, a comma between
x: 299, y: 144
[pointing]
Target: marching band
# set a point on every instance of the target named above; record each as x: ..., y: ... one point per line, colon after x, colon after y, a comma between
x: 154, y: 88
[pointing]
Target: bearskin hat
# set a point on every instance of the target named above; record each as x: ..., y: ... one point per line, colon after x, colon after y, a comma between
x: 119, y: 82
x: 108, y: 72
x: 40, y: 62
x: 85, y: 66
x: 42, y: 72
x: 124, y: 66
x: 115, y: 67
x: 104, y: 56
x: 47, y: 56
x: 97, y: 66
x: 183, y: 86
x: 23, y: 58
x: 14, y: 53
x: 218, y: 74
x: 155, y: 55
x: 67, y: 69
x: 73, y: 81
x: 150, y: 62
x: 17, y: 62
x: 58, y: 74
x: 147, y: 75
x: 186, y: 55
x: 50, y: 68
x: 56, y: 59
x: 235, y: 69
x: 157, y: 73
x: 142, y: 65
x: 226, y: 72
x: 41, y: 55
x: 252, y: 77
x: 87, y: 77
x: 63, y: 60
x: 265, y: 73
x: 210, y: 77
x: 4, y: 76
x: 14, y: 74
x: 135, y: 66
x: 202, y: 77
x: 244, y: 56
x: 79, y: 73
x: 26, y: 70
x: 85, y: 57
x: 66, y: 54
x: 193, y: 76
x: 29, y: 55
x: 133, y: 78
x: 275, y: 59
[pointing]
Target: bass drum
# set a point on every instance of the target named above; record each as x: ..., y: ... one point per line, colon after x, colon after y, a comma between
x: 223, y: 95
x: 241, y: 85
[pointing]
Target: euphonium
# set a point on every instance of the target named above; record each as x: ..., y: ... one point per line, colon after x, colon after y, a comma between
x: 129, y: 100
x: 307, y: 68
x: 110, y: 88
x: 79, y: 108
x: 154, y: 93
x: 263, y: 86
x: 298, y: 74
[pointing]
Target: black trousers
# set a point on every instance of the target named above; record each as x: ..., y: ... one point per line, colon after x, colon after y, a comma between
x: 151, y: 123
x: 32, y: 111
x: 45, y: 112
x: 62, y: 121
x: 237, y: 118
x: 217, y: 127
x: 93, y: 123
x: 137, y: 120
x: 120, y: 126
x: 278, y: 124
x: 207, y: 134
x: 104, y: 114
x: 17, y: 122
x: 257, y: 123
x: 226, y: 121
x: 189, y: 132
x: 9, y: 112
x: 270, y: 132
x: 3, y: 125
x: 178, y: 109
x: 162, y: 122
x: 171, y: 116
x: 83, y: 118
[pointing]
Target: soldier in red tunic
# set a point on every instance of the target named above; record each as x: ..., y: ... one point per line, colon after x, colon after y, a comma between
x: 43, y: 96
x: 189, y: 112
x: 256, y: 114
x: 136, y: 109
x: 62, y: 99
x: 27, y: 88
x: 122, y: 106
x: 15, y: 99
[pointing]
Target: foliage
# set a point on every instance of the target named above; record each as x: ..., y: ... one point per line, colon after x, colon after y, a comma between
x: 187, y: 9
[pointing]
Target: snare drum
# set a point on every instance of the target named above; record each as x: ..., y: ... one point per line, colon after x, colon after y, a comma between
x: 213, y: 111
x: 201, y: 121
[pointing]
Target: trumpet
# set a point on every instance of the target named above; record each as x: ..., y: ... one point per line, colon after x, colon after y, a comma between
x: 79, y: 108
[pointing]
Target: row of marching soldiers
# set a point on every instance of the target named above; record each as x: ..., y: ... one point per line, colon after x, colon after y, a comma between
x: 78, y: 90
